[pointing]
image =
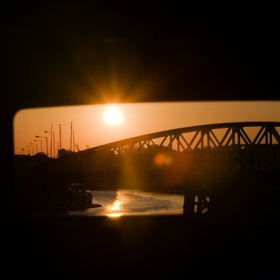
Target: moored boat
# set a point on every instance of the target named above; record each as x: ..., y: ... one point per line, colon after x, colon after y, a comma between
x: 79, y: 198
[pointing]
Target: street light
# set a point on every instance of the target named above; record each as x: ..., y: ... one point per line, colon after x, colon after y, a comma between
x: 36, y: 144
x: 32, y: 149
x: 52, y: 141
x: 46, y: 142
x: 29, y: 150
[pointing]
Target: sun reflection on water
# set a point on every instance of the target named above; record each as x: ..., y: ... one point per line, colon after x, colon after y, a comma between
x: 115, y: 208
x: 120, y: 203
x: 114, y: 215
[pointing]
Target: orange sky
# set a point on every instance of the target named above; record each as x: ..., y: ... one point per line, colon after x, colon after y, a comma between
x: 139, y: 118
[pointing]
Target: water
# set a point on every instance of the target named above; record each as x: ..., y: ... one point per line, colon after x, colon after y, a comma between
x: 133, y: 202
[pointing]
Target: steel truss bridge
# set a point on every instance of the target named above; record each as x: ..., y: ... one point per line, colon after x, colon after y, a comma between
x: 236, y: 137
x: 242, y: 147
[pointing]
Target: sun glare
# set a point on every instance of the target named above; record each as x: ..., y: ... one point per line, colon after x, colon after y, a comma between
x: 113, y: 115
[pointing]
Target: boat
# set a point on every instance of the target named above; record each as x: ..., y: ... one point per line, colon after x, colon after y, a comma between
x: 79, y: 198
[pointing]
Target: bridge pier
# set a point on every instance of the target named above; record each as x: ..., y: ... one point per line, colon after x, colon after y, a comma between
x: 196, y: 200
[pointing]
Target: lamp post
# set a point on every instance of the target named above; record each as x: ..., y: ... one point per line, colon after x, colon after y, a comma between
x: 28, y: 150
x: 46, y: 142
x: 36, y: 144
x: 32, y: 149
x: 52, y: 141
x: 33, y: 146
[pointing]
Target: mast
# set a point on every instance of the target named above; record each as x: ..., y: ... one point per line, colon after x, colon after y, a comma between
x: 71, y: 137
x: 54, y: 152
x: 51, y: 142
x: 74, y: 142
x: 60, y: 137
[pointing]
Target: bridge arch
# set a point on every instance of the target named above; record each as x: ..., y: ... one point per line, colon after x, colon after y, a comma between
x: 258, y: 138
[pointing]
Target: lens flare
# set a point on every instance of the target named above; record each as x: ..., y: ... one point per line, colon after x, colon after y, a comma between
x: 162, y: 159
x: 159, y: 159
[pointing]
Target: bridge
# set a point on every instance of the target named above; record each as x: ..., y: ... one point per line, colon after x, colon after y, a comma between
x: 204, y: 160
x: 235, y: 137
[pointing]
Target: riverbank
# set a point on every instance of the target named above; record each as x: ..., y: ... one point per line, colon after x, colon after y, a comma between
x: 159, y: 213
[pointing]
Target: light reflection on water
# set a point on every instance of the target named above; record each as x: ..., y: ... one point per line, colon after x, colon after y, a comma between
x: 133, y: 202
x: 115, y: 206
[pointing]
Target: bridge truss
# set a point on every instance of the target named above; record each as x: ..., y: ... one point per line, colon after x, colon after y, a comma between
x: 200, y: 137
x: 234, y: 137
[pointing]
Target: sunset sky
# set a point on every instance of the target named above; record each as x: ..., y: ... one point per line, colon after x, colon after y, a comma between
x: 139, y: 118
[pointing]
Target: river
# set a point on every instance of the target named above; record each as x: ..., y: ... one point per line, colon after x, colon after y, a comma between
x: 133, y: 202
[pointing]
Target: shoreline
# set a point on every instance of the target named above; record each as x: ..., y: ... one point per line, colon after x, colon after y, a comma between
x: 179, y: 192
x: 151, y: 213
x: 164, y: 212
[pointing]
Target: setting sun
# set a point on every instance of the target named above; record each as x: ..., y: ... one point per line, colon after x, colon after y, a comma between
x: 113, y: 116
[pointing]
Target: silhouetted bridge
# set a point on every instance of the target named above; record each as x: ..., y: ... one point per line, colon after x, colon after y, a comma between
x: 203, y: 157
x: 232, y: 137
